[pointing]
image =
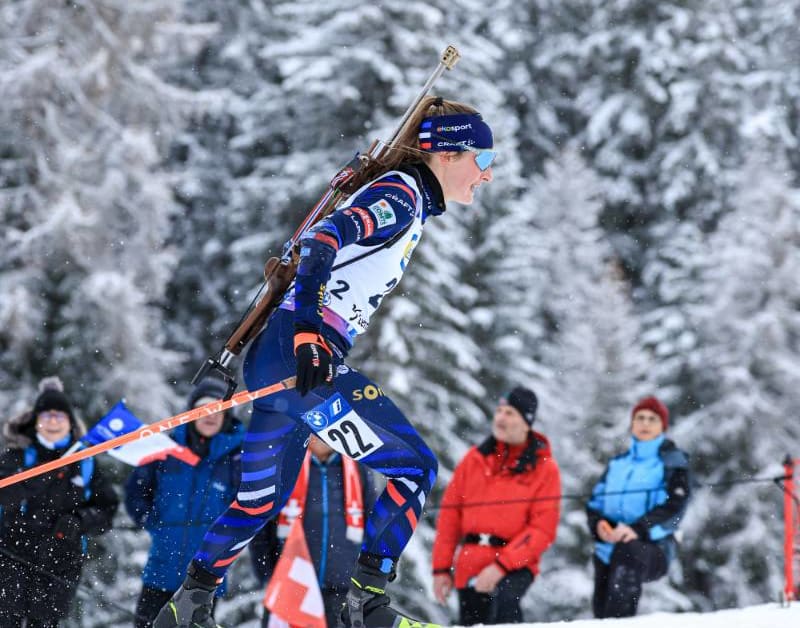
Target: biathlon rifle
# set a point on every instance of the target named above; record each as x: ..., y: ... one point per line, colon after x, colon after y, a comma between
x: 279, y: 272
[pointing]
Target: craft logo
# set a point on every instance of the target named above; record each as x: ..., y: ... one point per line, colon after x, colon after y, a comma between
x: 401, y: 202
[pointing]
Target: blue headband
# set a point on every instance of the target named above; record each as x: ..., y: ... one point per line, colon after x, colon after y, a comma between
x: 453, y: 132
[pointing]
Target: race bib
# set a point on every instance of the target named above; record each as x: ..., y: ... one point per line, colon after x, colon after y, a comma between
x: 336, y: 423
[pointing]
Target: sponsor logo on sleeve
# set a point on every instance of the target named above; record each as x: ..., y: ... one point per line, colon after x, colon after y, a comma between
x: 384, y: 214
x: 366, y: 220
x: 401, y: 202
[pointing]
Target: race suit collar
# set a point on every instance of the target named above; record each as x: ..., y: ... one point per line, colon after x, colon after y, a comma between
x: 432, y: 195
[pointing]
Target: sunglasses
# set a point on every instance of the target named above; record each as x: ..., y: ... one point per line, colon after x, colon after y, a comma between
x: 53, y: 415
x: 484, y: 158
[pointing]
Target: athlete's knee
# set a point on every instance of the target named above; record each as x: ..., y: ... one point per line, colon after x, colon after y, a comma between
x: 255, y: 504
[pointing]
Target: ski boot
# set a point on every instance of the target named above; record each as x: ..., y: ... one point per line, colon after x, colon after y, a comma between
x: 367, y: 605
x: 193, y: 604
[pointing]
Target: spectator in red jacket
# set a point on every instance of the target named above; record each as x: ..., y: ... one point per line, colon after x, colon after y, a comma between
x: 500, y: 511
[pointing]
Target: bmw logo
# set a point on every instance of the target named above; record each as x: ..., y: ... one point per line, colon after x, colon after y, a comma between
x: 316, y: 419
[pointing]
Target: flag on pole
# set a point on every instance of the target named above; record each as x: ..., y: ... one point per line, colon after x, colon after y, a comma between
x: 292, y: 595
x: 119, y: 420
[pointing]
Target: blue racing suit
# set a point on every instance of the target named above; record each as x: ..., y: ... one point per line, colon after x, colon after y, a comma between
x: 348, y: 262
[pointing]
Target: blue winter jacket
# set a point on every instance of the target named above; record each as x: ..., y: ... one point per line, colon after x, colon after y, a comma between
x: 647, y: 488
x: 176, y: 503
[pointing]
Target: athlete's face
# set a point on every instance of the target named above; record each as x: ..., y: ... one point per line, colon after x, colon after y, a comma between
x: 460, y: 176
x: 508, y: 426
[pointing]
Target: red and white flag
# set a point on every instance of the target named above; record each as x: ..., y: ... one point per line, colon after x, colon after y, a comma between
x: 292, y: 595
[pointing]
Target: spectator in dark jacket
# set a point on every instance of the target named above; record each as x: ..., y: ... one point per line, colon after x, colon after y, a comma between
x: 498, y: 516
x: 333, y: 522
x: 176, y: 502
x: 45, y: 520
x: 635, y: 510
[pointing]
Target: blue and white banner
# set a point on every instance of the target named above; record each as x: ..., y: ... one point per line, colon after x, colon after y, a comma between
x: 120, y: 420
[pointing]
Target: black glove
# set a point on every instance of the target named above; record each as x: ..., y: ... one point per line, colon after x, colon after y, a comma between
x: 68, y: 527
x: 314, y: 364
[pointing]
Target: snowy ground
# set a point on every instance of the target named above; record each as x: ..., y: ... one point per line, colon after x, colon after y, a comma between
x: 765, y: 616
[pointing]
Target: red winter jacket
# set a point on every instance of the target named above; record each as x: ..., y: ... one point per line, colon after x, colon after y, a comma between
x: 485, y: 497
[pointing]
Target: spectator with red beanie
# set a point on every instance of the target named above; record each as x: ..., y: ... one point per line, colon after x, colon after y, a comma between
x: 635, y: 510
x: 498, y: 516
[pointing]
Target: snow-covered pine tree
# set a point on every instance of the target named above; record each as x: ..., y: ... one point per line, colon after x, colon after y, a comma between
x: 84, y: 206
x: 748, y: 329
x: 564, y: 325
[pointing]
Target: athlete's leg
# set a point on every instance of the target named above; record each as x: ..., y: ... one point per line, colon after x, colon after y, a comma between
x: 360, y: 421
x: 272, y: 456
x: 272, y: 452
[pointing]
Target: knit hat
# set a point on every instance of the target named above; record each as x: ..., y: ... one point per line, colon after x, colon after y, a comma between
x: 524, y: 401
x: 654, y: 405
x: 208, y: 387
x: 207, y: 390
x: 52, y: 397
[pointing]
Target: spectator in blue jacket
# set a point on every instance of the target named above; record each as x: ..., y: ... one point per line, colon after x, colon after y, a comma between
x: 635, y: 510
x: 333, y: 523
x: 176, y: 502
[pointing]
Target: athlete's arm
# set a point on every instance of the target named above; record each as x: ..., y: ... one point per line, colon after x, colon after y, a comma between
x: 376, y: 215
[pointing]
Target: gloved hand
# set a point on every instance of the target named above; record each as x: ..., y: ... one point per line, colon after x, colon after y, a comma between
x: 314, y: 361
x: 68, y: 527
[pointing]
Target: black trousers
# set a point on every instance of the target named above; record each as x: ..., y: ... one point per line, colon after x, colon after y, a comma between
x: 618, y: 585
x: 499, y: 607
x: 29, y: 595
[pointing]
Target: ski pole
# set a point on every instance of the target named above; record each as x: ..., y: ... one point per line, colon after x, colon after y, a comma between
x: 164, y: 425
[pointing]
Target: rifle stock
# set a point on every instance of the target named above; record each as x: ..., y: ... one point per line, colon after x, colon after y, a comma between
x: 278, y: 276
